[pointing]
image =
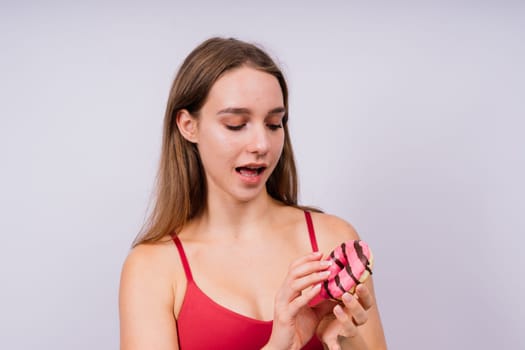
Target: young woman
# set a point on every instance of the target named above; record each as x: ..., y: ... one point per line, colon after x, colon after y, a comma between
x: 228, y: 259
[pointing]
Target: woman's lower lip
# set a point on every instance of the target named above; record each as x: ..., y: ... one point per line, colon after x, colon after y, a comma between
x: 251, y: 179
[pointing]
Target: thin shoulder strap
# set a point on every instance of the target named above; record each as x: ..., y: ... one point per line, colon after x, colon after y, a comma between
x: 311, y: 231
x: 183, y: 258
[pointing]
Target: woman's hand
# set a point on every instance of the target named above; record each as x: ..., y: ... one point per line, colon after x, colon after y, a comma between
x: 340, y: 329
x: 294, y: 321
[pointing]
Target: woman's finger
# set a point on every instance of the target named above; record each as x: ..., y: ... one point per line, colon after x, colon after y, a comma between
x: 347, y: 328
x: 306, y: 265
x: 314, y: 256
x: 303, y: 299
x: 303, y: 273
x: 354, y: 309
x: 295, y: 306
x: 299, y: 284
x: 364, y: 296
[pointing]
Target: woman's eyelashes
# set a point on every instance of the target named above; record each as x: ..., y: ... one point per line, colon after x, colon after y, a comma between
x: 273, y: 127
x: 235, y: 127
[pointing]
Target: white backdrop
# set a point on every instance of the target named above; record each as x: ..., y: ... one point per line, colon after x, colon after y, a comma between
x: 407, y: 121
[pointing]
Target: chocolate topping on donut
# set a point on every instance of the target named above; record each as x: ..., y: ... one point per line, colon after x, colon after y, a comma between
x: 337, y: 261
x: 338, y: 283
x: 327, y: 290
x: 361, y: 256
x: 347, y: 266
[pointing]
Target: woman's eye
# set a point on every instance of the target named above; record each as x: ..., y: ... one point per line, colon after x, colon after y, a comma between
x: 235, y: 127
x: 274, y: 127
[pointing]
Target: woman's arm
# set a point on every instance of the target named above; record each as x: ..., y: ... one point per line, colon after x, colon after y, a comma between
x: 372, y: 329
x: 146, y: 302
x: 356, y: 323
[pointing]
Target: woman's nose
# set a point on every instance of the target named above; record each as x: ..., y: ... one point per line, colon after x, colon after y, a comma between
x: 259, y: 140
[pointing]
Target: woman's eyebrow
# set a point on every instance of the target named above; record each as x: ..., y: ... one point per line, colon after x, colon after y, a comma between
x: 277, y: 110
x: 234, y: 110
x: 244, y: 111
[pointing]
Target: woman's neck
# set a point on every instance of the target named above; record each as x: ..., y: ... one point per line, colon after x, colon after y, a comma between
x: 234, y: 218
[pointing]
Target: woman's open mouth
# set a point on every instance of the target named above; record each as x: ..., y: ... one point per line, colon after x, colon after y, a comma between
x: 250, y: 171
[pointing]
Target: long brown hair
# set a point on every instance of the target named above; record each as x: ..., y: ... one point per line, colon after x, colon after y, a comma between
x: 181, y: 185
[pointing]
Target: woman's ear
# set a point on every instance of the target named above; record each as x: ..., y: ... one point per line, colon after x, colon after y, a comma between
x: 187, y: 125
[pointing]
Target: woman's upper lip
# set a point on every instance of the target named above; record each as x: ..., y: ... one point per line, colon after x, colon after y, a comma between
x: 253, y: 165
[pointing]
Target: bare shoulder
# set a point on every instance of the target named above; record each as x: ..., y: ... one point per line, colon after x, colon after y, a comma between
x: 150, y: 262
x: 331, y: 230
x: 146, y: 297
x: 147, y: 276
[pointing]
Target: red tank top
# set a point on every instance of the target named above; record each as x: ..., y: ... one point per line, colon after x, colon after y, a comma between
x: 204, y: 324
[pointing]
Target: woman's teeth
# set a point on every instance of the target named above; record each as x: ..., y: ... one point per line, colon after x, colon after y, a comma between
x: 247, y: 171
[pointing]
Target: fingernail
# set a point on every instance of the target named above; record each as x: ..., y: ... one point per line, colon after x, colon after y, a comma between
x: 338, y: 310
x: 324, y: 273
x: 326, y: 263
x: 347, y: 297
x: 317, y: 287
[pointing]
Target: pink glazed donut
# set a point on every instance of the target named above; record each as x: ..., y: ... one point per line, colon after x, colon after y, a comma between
x: 352, y: 264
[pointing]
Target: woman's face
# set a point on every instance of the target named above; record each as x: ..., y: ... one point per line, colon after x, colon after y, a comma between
x: 240, y: 134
